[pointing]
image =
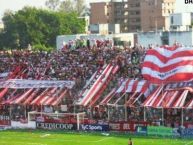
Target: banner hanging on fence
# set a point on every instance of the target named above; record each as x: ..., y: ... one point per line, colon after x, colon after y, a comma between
x: 5, y: 120
x: 62, y: 126
x: 21, y: 84
x: 94, y: 127
x: 186, y: 132
x: 160, y: 131
x: 126, y: 126
x: 141, y: 130
x: 3, y: 75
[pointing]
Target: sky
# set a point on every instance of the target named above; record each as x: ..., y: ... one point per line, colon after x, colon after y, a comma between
x: 15, y: 5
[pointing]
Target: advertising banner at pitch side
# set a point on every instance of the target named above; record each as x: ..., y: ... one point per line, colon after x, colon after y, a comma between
x: 5, y: 120
x: 94, y: 127
x: 59, y: 126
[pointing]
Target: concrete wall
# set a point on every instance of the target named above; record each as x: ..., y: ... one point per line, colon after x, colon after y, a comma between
x: 180, y: 19
x: 17, y: 124
x: 114, y: 28
x: 185, y: 38
x: 147, y: 38
x: 65, y: 39
x: 104, y: 29
x: 182, y: 37
x: 99, y: 29
x: 127, y: 37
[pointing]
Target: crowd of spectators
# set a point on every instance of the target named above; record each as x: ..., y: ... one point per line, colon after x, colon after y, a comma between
x: 77, y: 65
x: 78, y: 61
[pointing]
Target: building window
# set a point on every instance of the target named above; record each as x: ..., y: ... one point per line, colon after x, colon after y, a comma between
x: 163, y: 5
x: 138, y: 28
x: 135, y: 5
x: 138, y: 4
x: 172, y: 20
x: 134, y: 12
x: 126, y: 13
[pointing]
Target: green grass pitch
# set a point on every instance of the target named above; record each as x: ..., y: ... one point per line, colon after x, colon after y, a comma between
x: 18, y: 137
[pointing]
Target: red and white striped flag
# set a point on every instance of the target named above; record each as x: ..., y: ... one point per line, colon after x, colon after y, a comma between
x: 140, y: 86
x: 168, y: 64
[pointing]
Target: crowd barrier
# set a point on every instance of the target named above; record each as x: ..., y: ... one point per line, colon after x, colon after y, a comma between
x: 187, y: 133
x: 94, y: 127
x: 159, y: 131
x: 138, y: 128
x: 5, y: 120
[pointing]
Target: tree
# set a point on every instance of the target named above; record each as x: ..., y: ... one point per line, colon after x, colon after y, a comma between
x: 80, y: 7
x: 52, y: 4
x: 68, y: 6
x: 36, y: 26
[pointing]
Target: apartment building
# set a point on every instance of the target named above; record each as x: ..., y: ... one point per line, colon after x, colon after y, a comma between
x: 101, y: 13
x: 155, y: 14
x: 112, y: 12
x: 134, y: 15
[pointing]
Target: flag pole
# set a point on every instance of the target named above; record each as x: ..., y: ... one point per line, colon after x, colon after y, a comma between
x: 125, y: 107
x: 41, y: 109
x: 162, y: 108
x: 125, y: 103
x: 162, y: 116
x: 144, y: 114
x: 108, y: 108
x: 10, y: 112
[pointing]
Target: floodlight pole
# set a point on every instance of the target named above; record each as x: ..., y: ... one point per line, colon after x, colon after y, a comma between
x: 10, y: 112
x: 182, y: 117
x: 144, y: 114
x: 25, y: 111
x: 162, y: 116
x: 78, y: 121
x: 108, y: 108
x: 125, y: 108
x: 41, y: 109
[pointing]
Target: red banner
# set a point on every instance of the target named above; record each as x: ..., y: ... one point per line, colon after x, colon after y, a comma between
x: 126, y: 126
x: 5, y: 120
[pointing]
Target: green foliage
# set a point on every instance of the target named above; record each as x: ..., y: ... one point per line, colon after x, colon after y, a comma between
x: 52, y: 4
x: 37, y: 26
x: 40, y: 47
x: 68, y: 6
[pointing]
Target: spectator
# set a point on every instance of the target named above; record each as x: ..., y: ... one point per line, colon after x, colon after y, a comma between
x: 130, y: 142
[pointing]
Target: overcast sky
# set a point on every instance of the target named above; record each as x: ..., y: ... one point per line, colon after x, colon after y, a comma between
x: 19, y: 4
